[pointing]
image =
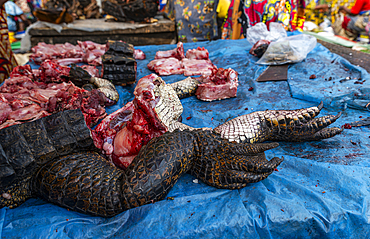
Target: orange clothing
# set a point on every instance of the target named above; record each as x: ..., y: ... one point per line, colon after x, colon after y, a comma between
x: 7, y: 60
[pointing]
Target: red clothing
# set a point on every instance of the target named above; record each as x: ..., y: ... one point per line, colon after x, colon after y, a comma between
x: 360, y: 5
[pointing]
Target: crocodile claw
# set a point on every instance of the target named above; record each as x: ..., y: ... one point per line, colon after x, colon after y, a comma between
x: 233, y: 165
x: 280, y: 125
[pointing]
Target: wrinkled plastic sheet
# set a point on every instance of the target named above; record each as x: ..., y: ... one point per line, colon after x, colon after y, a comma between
x: 321, y: 189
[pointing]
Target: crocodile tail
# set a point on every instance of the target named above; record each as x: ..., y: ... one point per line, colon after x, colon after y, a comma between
x: 84, y: 182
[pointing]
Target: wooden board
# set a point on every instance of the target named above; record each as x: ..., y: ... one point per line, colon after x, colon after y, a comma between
x: 161, y: 32
x: 274, y: 73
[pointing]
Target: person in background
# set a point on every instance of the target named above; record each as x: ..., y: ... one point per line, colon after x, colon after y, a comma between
x: 17, y: 21
x: 27, y: 6
x: 7, y: 60
x: 243, y: 14
x: 195, y: 20
x: 355, y: 20
x: 222, y: 8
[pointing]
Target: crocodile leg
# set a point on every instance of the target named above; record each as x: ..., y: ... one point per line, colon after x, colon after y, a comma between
x: 186, y: 87
x: 280, y: 125
x: 232, y: 165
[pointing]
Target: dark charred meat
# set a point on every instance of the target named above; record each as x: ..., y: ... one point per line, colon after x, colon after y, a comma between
x: 140, y: 10
x: 119, y: 70
x: 136, y: 10
x: 259, y: 48
x: 120, y: 48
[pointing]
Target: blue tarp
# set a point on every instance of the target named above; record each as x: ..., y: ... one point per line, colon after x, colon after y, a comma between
x: 321, y: 190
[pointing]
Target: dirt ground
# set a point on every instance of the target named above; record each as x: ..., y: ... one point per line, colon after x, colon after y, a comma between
x: 355, y: 57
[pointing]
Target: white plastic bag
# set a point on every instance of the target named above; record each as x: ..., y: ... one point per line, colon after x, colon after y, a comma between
x: 288, y: 50
x: 260, y: 32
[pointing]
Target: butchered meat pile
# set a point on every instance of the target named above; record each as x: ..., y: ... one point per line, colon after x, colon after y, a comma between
x: 216, y: 83
x: 174, y: 62
x: 64, y: 54
x: 23, y: 97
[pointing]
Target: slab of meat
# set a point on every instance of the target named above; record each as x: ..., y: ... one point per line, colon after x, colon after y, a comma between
x: 139, y: 54
x: 197, y: 67
x: 178, y: 53
x: 220, y: 84
x: 196, y: 62
x: 43, y: 51
x: 86, y: 51
x: 68, y: 61
x: 120, y: 48
x: 51, y: 71
x: 120, y: 70
x: 24, y: 99
x: 197, y: 54
x: 166, y: 66
x: 23, y: 71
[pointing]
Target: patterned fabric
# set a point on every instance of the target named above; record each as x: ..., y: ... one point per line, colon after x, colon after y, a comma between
x: 246, y: 13
x: 335, y: 4
x: 349, y: 27
x: 195, y: 20
x: 7, y: 60
x: 315, y: 15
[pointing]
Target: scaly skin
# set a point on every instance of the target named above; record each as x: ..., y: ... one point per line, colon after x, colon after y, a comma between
x: 86, y: 182
x: 33, y: 161
x: 186, y: 87
x: 25, y: 147
x: 280, y: 125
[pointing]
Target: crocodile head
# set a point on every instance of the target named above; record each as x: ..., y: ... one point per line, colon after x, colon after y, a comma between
x: 122, y: 134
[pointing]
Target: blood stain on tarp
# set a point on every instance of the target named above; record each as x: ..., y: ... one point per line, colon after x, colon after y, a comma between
x: 205, y: 111
x: 353, y: 155
x: 347, y: 126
